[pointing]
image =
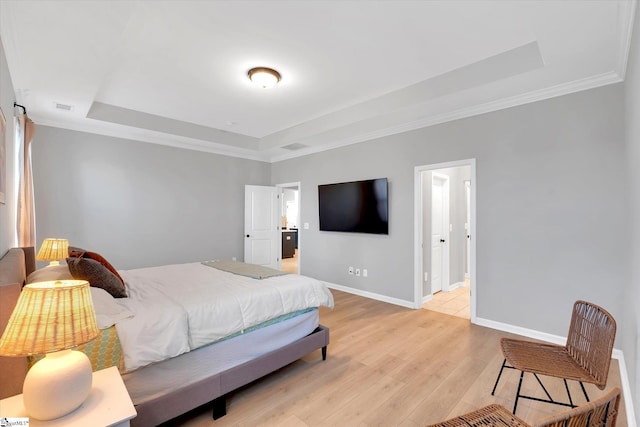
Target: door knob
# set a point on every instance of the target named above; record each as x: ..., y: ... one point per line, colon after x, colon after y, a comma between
x: 441, y: 240
x: 248, y: 235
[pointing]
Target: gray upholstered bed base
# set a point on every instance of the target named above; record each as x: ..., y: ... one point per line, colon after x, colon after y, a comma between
x: 181, y: 399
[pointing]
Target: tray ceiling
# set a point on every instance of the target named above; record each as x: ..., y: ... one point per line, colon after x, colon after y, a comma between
x: 174, y: 72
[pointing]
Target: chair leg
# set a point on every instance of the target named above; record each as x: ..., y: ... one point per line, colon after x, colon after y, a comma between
x: 544, y: 388
x: 566, y: 386
x: 584, y: 390
x: 515, y: 405
x: 549, y: 398
x: 499, y: 375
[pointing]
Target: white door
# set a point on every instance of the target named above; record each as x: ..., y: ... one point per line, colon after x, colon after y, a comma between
x: 439, y: 232
x: 261, y: 226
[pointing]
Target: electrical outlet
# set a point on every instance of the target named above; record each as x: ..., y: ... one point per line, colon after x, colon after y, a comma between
x: 350, y: 270
x: 357, y: 272
x: 365, y: 273
x: 233, y: 258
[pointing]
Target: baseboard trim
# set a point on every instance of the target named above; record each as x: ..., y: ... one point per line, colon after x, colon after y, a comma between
x: 371, y: 295
x: 626, y: 388
x: 455, y: 286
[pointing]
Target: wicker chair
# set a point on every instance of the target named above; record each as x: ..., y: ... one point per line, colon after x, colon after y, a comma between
x: 602, y: 412
x: 585, y: 357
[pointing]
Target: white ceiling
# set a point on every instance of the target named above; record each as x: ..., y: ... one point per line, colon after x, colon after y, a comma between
x: 174, y: 72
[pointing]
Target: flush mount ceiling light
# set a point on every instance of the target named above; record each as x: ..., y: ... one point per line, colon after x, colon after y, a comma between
x: 264, y: 77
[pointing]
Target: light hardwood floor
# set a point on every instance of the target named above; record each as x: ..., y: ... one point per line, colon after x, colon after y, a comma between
x: 388, y: 366
x: 455, y: 302
x: 290, y: 265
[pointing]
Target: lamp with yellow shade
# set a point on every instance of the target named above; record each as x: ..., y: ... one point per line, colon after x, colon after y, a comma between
x: 52, y: 318
x: 53, y: 250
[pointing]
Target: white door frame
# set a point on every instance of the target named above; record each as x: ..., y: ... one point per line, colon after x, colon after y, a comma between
x: 445, y: 283
x: 418, y: 252
x: 299, y: 188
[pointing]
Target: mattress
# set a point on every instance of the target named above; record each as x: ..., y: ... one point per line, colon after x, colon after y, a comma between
x: 152, y: 381
x: 181, y: 307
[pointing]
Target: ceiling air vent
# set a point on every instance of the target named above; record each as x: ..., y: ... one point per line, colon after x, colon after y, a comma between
x: 63, y: 107
x: 294, y: 146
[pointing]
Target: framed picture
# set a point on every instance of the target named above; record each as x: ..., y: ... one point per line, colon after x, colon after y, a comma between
x: 3, y: 158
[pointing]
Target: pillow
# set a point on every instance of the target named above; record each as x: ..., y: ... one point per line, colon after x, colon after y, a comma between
x: 108, y: 311
x: 97, y: 275
x: 50, y: 273
x: 76, y: 252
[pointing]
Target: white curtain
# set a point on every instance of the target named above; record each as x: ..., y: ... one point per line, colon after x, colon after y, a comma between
x: 26, y: 223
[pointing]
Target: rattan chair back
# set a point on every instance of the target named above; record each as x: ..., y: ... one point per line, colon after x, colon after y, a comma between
x: 590, y: 340
x: 602, y: 412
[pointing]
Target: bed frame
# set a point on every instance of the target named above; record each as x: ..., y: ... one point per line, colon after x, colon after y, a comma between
x: 172, y: 399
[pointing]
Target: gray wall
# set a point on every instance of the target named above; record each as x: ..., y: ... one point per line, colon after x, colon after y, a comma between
x: 7, y: 210
x: 551, y: 214
x: 327, y: 255
x: 629, y: 324
x: 140, y: 204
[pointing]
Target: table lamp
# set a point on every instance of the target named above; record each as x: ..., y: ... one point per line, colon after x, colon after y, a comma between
x: 51, y: 318
x: 53, y: 250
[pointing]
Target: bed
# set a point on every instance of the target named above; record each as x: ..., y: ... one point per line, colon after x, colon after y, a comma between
x: 212, y: 360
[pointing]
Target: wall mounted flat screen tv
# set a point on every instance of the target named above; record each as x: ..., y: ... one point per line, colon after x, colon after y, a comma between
x: 355, y: 207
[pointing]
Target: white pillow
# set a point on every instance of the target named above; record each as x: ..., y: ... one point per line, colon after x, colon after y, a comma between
x: 50, y: 273
x: 108, y: 311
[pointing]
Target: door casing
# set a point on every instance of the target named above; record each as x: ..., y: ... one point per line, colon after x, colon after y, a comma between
x: 419, y: 230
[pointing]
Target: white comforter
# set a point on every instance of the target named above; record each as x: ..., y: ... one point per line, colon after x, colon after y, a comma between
x: 181, y: 307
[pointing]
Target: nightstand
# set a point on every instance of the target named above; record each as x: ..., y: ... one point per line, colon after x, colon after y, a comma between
x: 108, y: 405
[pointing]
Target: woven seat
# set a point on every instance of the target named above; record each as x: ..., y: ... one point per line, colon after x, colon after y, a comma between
x: 492, y: 415
x: 585, y: 357
x: 602, y: 412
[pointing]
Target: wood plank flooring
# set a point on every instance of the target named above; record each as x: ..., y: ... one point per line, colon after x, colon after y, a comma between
x: 388, y: 366
x: 290, y: 265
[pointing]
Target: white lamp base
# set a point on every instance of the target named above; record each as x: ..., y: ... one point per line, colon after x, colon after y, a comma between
x: 57, y: 384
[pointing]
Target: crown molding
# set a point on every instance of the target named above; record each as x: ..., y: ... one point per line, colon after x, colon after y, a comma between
x: 135, y: 134
x: 526, y: 98
x: 128, y: 132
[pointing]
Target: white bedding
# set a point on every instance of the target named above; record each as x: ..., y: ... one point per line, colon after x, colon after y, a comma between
x: 181, y: 307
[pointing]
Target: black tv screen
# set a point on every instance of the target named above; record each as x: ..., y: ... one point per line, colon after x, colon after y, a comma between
x: 356, y: 207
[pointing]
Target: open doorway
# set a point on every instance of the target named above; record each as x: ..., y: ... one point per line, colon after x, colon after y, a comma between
x: 444, y: 240
x: 290, y: 220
